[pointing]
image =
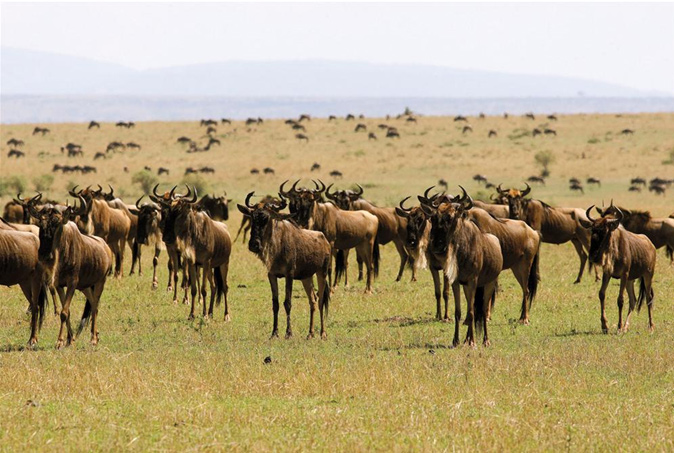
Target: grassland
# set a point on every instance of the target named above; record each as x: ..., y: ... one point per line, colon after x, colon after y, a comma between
x: 386, y: 378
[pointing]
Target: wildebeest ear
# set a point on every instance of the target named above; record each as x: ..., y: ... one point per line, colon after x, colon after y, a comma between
x: 229, y: 200
x: 613, y: 224
x: 244, y: 209
x: 599, y: 211
x: 585, y: 223
x: 401, y: 213
x: 67, y: 215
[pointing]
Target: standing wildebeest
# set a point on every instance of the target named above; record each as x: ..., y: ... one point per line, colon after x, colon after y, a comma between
x: 530, y: 116
x: 350, y: 117
x: 577, y: 186
x: 470, y: 258
x: 659, y: 189
x: 460, y: 118
x: 536, y: 132
x: 467, y: 128
x: 162, y: 171
x: 203, y: 244
x: 149, y: 231
x: 623, y: 255
x: 73, y: 261
x: 267, y: 201
x: 183, y: 140
x: 99, y: 155
x: 392, y: 228
x: 336, y: 174
x: 638, y: 181
x: 298, y: 127
x: 372, y: 136
x: 332, y: 118
x: 536, y: 179
x: 360, y: 127
x: 392, y: 133
x: 15, y: 153
x: 315, y: 166
x: 254, y: 171
x: 217, y: 208
x: 268, y: 171
x: 304, y: 116
x: 479, y: 178
x: 343, y: 229
x: 133, y: 145
x: 302, y: 137
x: 208, y: 123
x: 556, y: 225
x: 411, y: 119
x: 293, y: 253
x: 492, y: 133
x: 593, y: 181
x: 15, y: 142
x: 41, y: 130
x: 19, y: 265
x: 627, y: 132
x: 226, y: 121
x: 548, y: 131
x: 552, y: 117
x: 94, y: 124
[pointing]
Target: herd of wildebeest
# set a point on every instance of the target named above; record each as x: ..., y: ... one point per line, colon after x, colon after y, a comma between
x: 49, y: 248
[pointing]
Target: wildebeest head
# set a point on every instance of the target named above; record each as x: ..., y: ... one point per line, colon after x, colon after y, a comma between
x: 149, y: 216
x: 344, y: 198
x: 302, y: 201
x: 416, y: 222
x: 177, y: 207
x: 261, y: 216
x: 601, y: 230
x: 51, y: 220
x: 216, y: 207
x: 445, y: 216
x: 26, y: 204
x: 516, y: 201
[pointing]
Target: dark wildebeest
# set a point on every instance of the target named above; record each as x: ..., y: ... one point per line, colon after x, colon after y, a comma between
x: 627, y: 132
x: 574, y: 181
x: 302, y: 137
x: 383, y: 126
x: 392, y: 228
x: 269, y: 201
x: 316, y: 166
x: 411, y: 119
x: 593, y: 181
x: 536, y: 132
x: 120, y: 124
x: 556, y: 225
x: 638, y: 182
x: 19, y: 265
x: 211, y: 130
x: 332, y: 118
x: 251, y: 121
x: 552, y: 117
x: 530, y: 116
x: 94, y: 124
x: 392, y: 133
x: 577, y: 187
x: 625, y: 256
x: 202, y: 243
x: 73, y: 261
x: 99, y: 155
x: 190, y: 170
x: 350, y: 117
x: 479, y: 178
x: 226, y: 121
x: 304, y: 116
x: 183, y: 140
x: 536, y: 179
x: 343, y: 229
x: 114, y: 146
x: 467, y: 128
x: 15, y: 142
x: 460, y: 118
x: 209, y: 170
x: 254, y: 171
x: 298, y: 127
x: 634, y: 189
x: 213, y: 141
x: 15, y: 153
x: 548, y: 131
x: 470, y: 258
x: 133, y: 145
x: 360, y: 127
x: 208, y: 123
x: 268, y: 171
x: 336, y: 174
x: 148, y: 232
x: 41, y: 130
x: 443, y: 183
x: 658, y: 189
x: 293, y: 253
x: 162, y: 171
x: 492, y: 133
x: 372, y: 136
x: 217, y: 208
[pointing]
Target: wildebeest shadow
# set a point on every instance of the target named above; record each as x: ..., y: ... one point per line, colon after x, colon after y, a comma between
x: 577, y: 333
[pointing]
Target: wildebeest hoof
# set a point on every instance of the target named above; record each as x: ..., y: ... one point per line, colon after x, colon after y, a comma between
x: 324, y: 336
x: 576, y: 282
x: 154, y: 285
x: 60, y: 344
x: 190, y: 317
x: 486, y: 343
x: 169, y: 289
x: 274, y: 334
x: 289, y: 335
x: 524, y: 321
x: 310, y: 336
x: 447, y: 320
x: 228, y: 318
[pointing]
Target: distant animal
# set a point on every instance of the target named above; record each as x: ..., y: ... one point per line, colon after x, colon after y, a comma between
x: 332, y: 118
x: 209, y: 170
x: 254, y: 171
x: 627, y: 132
x: 530, y: 116
x: 336, y: 174
x: 505, y: 115
x: 226, y: 121
x: 577, y: 187
x: 15, y: 153
x: 443, y: 183
x: 536, y: 179
x: 99, y: 155
x: 316, y: 166
x: 298, y: 127
x: 133, y: 145
x: 638, y: 182
x: 411, y: 119
x: 372, y: 136
x: 190, y: 171
x: 383, y: 126
x: 114, y: 146
x: 94, y: 124
x: 392, y: 133
x: 350, y: 117
x: 481, y: 116
x: 536, y: 132
x: 552, y: 117
x: 163, y: 171
x: 251, y: 121
x: 213, y: 141
x: 467, y: 128
x: 593, y: 181
x: 41, y: 130
x: 360, y: 127
x: 657, y: 189
x: 574, y: 181
x: 550, y: 132
x: 208, y: 123
x: 290, y: 122
x: 634, y: 189
x: 302, y: 137
x: 460, y: 118
x: 15, y: 143
x: 268, y: 171
x: 211, y: 130
x: 479, y: 178
x: 492, y: 133
x: 183, y: 140
x: 304, y: 116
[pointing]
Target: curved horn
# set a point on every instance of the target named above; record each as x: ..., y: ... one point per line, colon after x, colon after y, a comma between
x: 526, y: 191
x: 83, y: 205
x: 18, y: 197
x: 501, y: 191
x: 428, y: 191
x: 619, y: 213
x: 328, y: 194
x: 194, y: 197
x: 465, y: 196
x: 112, y: 191
x: 323, y: 187
x: 248, y: 197
x: 281, y: 191
x: 171, y: 194
x: 138, y: 201
x: 587, y: 214
x: 154, y: 191
x: 403, y: 202
x: 72, y: 192
x: 360, y: 192
x: 100, y: 189
x: 294, y: 187
x: 282, y: 205
x: 468, y: 204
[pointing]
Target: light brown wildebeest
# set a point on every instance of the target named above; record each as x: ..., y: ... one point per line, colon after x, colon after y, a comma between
x: 625, y: 256
x: 293, y: 253
x: 73, y: 261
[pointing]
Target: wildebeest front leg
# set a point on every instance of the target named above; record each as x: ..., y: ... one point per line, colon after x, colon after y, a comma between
x: 207, y: 278
x: 436, y: 284
x: 273, y: 282
x: 400, y: 247
x: 632, y: 303
x: 155, y: 263
x: 621, y: 300
x: 309, y: 289
x: 65, y: 319
x: 602, y: 297
x: 583, y: 258
x: 287, y: 304
x: 469, y: 291
x: 194, y: 286
x: 456, y: 289
x: 445, y: 295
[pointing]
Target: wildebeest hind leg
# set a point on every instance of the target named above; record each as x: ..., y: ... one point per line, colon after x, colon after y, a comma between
x: 583, y: 258
x: 309, y: 289
x: 287, y: 304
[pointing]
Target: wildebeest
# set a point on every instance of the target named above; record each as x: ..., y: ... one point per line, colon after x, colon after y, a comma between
x: 658, y: 189
x: 372, y: 136
x: 556, y: 225
x: 114, y: 146
x: 536, y: 132
x: 343, y: 229
x: 634, y: 189
x: 299, y: 127
x: 460, y: 118
x: 470, y: 258
x: 267, y: 201
x: 15, y: 153
x: 336, y: 174
x: 217, y: 207
x: 627, y: 132
x: 332, y: 118
x: 577, y: 187
x: 638, y: 181
x: 360, y: 127
x: 73, y: 261
x: 383, y: 126
x: 15, y: 142
x: 226, y: 121
x: 149, y: 232
x: 99, y: 155
x: 133, y: 145
x: 574, y: 181
x: 190, y: 171
x: 392, y: 228
x: 183, y: 140
x: 268, y: 171
x: 162, y: 171
x: 411, y: 119
x: 209, y: 170
x: 19, y: 265
x: 479, y: 178
x: 492, y: 133
x: 302, y: 137
x: 41, y: 130
x: 293, y: 253
x: 443, y: 183
x: 536, y: 179
x: 316, y: 166
x: 530, y: 116
x: 304, y: 116
x: 593, y: 181
x: 208, y: 123
x: 350, y: 117
x: 254, y: 171
x: 467, y: 128
x: 548, y: 131
x: 625, y: 256
x: 392, y: 133
x: 203, y: 244
x: 552, y: 117
x: 213, y: 141
x: 251, y: 121
x: 94, y: 124
x: 211, y: 130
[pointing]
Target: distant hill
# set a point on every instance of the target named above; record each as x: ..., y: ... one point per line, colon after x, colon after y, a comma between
x: 39, y: 73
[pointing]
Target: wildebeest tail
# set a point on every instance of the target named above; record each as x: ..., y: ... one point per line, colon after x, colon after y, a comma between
x: 375, y: 258
x: 86, y: 316
x: 534, y: 278
x: 480, y: 309
x: 41, y: 305
x: 340, y: 264
x: 135, y: 248
x: 643, y: 296
x: 670, y: 253
x: 219, y: 285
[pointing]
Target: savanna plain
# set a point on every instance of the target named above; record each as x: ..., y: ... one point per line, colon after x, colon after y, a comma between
x: 386, y: 378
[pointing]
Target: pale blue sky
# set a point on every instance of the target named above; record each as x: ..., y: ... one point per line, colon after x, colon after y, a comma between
x: 628, y: 44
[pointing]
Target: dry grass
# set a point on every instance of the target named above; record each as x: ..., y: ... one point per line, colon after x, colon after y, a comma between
x: 386, y: 378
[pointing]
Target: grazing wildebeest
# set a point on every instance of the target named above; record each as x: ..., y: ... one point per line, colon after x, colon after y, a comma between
x: 268, y: 171
x: 350, y: 117
x: 660, y: 230
x: 392, y: 133
x: 530, y: 116
x: 147, y: 168
x: 208, y: 123
x: 658, y: 189
x: 336, y: 174
x: 556, y: 225
x: 133, y: 145
x: 443, y: 183
x: 41, y: 130
x: 149, y: 231
x: 162, y: 171
x: 467, y: 128
x: 88, y: 169
x: 99, y: 155
x: 638, y: 181
x: 574, y: 181
x: 209, y: 170
x: 190, y: 170
x: 15, y: 142
x: 411, y: 119
x: 71, y: 147
x: 372, y: 136
x: 383, y: 126
x: 73, y: 261
x: 536, y: 179
x: 548, y: 131
x: 183, y: 140
x: 492, y: 133
x: 15, y: 153
x: 316, y: 166
x: 627, y: 132
x: 121, y: 124
x: 302, y: 137
x: 203, y: 244
x: 392, y: 228
x: 470, y: 258
x: 552, y: 117
x: 94, y: 124
x: 254, y: 171
x: 299, y: 127
x: 290, y: 122
x: 251, y: 121
x: 211, y: 130
x: 623, y: 255
x: 332, y: 118
x: 293, y: 253
x: 481, y: 116
x: 360, y: 127
x: 213, y: 141
x: 226, y: 121
x: 460, y: 118
x: 578, y: 187
x: 304, y: 116
x: 536, y: 132
x: 114, y: 146
x: 343, y: 229
x: 592, y: 180
x: 479, y: 178
x: 634, y: 189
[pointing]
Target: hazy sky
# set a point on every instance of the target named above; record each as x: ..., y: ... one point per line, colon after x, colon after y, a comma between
x: 628, y: 44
